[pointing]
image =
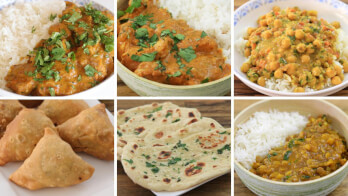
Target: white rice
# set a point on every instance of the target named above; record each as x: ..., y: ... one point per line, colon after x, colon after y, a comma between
x: 16, y: 25
x: 284, y: 84
x: 211, y: 16
x: 264, y: 131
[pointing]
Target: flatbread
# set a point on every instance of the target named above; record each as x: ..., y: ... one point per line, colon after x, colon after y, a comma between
x: 22, y: 135
x: 53, y: 163
x: 60, y: 111
x: 90, y: 131
x: 8, y: 111
x: 173, y: 167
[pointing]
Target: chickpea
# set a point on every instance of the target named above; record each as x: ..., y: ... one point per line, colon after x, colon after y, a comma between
x: 290, y: 32
x: 263, y: 23
x: 291, y: 59
x: 291, y: 68
x: 301, y: 48
x: 276, y: 9
x: 299, y: 34
x: 266, y: 34
x: 338, y: 68
x: 309, y: 38
x: 305, y: 59
x: 336, y: 80
x: 250, y: 30
x: 261, y: 81
x: 274, y: 66
x: 247, y: 52
x: 330, y: 72
x: 277, y: 33
x: 245, y: 67
x: 286, y: 43
x: 292, y: 16
x: 310, y: 49
x: 316, y: 71
x: 278, y: 23
x: 336, y: 24
x: 269, y: 15
x: 312, y: 13
x: 299, y: 90
x: 278, y: 74
x: 269, y: 21
x: 271, y: 57
x: 317, y: 43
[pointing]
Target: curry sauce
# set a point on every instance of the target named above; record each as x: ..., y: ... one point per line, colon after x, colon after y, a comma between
x: 316, y: 151
x: 77, y: 56
x: 295, y: 43
x: 155, y: 46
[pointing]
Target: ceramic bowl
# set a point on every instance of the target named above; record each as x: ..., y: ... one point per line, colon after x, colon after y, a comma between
x: 246, y: 16
x: 145, y: 87
x: 318, y: 187
x: 105, y: 89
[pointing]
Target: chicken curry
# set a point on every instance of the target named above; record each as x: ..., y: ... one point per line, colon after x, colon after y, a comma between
x: 155, y: 46
x: 78, y: 55
x: 316, y: 151
x: 296, y: 43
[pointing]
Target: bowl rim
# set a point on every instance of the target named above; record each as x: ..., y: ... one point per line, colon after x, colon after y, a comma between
x: 264, y: 90
x: 167, y: 86
x: 243, y: 169
x: 7, y: 92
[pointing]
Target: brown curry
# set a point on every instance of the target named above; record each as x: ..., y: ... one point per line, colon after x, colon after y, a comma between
x: 316, y: 151
x: 155, y: 46
x: 77, y: 56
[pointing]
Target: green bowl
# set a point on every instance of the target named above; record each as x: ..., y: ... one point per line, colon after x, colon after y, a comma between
x: 318, y: 187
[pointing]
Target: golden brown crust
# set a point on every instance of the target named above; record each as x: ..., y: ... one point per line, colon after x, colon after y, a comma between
x: 8, y: 111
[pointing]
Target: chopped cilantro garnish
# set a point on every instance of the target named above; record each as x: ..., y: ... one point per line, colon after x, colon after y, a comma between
x: 187, y: 53
x: 226, y: 147
x: 51, y: 91
x: 33, y: 29
x: 203, y: 34
x: 144, y: 57
x: 74, y: 17
x: 205, y: 80
x: 90, y: 71
x: 52, y: 17
x: 130, y: 161
x: 160, y: 66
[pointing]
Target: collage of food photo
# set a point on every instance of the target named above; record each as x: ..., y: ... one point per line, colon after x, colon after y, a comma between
x: 175, y: 100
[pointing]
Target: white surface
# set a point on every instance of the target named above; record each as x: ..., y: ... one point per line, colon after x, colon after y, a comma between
x: 101, y: 183
x: 325, y: 11
x: 104, y: 90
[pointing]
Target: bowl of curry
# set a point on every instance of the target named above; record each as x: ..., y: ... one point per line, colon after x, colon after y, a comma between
x: 162, y: 56
x: 77, y: 58
x: 296, y: 48
x: 312, y: 162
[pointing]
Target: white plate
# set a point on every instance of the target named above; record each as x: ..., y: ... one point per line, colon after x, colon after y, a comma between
x: 106, y: 89
x: 101, y: 183
x: 246, y: 16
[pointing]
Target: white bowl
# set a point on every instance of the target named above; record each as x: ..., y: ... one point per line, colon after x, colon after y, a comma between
x: 318, y: 187
x: 246, y: 16
x: 105, y: 90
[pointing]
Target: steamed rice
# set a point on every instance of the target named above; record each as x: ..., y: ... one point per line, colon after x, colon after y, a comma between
x: 22, y: 26
x: 264, y: 131
x: 211, y: 16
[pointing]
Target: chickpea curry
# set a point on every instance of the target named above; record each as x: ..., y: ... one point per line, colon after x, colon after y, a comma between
x: 78, y: 55
x: 316, y: 151
x: 295, y: 43
x: 155, y: 46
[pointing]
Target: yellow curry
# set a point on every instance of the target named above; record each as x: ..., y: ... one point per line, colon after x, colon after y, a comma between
x: 316, y: 151
x: 155, y: 46
x: 294, y: 42
x: 78, y: 55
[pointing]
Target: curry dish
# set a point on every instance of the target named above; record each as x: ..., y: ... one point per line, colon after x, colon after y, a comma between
x: 155, y: 46
x: 315, y: 152
x: 78, y: 55
x: 297, y: 44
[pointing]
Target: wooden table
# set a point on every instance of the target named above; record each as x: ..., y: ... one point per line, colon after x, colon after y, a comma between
x: 240, y: 89
x: 109, y: 104
x: 241, y: 190
x: 219, y: 110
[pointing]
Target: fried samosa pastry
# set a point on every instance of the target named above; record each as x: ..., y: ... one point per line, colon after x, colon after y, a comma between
x: 90, y: 131
x: 53, y: 163
x: 22, y: 135
x: 8, y: 111
x: 60, y: 111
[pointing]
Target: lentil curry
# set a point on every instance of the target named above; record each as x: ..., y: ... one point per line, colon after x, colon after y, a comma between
x: 316, y: 151
x: 155, y: 46
x: 296, y: 43
x: 77, y: 56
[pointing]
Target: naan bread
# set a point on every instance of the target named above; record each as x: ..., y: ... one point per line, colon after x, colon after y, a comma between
x: 124, y: 115
x: 172, y: 167
x: 22, y: 135
x: 90, y: 131
x: 8, y: 111
x: 60, y: 111
x: 53, y: 163
x: 138, y: 126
